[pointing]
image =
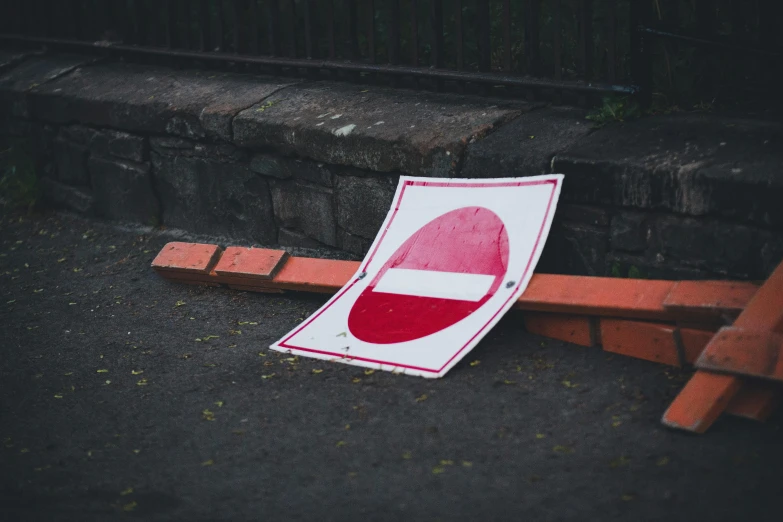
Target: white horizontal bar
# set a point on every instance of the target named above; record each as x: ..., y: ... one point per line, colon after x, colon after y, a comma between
x: 429, y: 283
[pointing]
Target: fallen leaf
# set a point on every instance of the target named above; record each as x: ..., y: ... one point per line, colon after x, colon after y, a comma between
x: 179, y: 303
x: 369, y: 372
x: 137, y: 372
x: 261, y: 354
x: 268, y: 376
x: 437, y: 470
x: 467, y: 464
x: 219, y: 404
x: 102, y: 371
x: 446, y: 462
x: 208, y: 415
x: 540, y: 436
x: 356, y: 380
x: 475, y: 363
x: 627, y: 497
x: 317, y: 371
x: 58, y: 396
x: 620, y: 462
x: 340, y: 443
x: 562, y: 449
x: 421, y: 398
x: 24, y: 450
x: 127, y: 491
x: 662, y: 461
x: 407, y: 455
x: 142, y: 382
x: 208, y: 462
x: 569, y: 384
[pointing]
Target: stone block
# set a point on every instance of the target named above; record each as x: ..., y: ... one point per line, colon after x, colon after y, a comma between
x: 363, y: 202
x: 353, y: 244
x: 71, y: 161
x: 724, y: 248
x: 214, y: 197
x: 141, y: 98
x: 294, y: 238
x: 693, y: 164
x: 28, y: 75
x: 284, y: 168
x: 377, y: 129
x: 123, y: 190
x: 306, y: 208
x: 573, y: 248
x: 596, y: 216
x: 526, y: 145
x: 629, y: 232
x: 64, y: 196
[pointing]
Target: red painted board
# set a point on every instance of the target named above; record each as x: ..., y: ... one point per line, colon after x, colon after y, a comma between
x: 250, y: 263
x: 721, y: 298
x: 740, y: 351
x: 649, y: 341
x: 701, y: 401
x: 186, y: 257
x: 574, y: 329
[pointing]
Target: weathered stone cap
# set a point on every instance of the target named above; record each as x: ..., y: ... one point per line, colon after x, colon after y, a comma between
x: 370, y: 127
x: 132, y: 97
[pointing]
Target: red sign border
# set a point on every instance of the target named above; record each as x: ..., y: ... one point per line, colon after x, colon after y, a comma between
x: 408, y: 183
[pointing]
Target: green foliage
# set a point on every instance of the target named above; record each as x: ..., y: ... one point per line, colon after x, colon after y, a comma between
x: 614, y: 110
x: 18, y: 177
x: 633, y: 272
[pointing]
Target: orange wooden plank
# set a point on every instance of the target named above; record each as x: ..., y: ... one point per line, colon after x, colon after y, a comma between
x: 186, y: 257
x: 701, y: 401
x: 741, y: 351
x: 721, y: 298
x: 606, y: 296
x: 765, y: 309
x: 649, y: 341
x: 693, y: 342
x: 251, y: 288
x: 574, y: 329
x: 756, y: 400
x: 252, y: 263
x: 315, y: 275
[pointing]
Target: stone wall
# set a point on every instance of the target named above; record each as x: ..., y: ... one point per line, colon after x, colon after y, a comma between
x: 269, y: 161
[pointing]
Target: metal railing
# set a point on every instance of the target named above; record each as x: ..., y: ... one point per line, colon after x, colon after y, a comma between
x: 526, y: 46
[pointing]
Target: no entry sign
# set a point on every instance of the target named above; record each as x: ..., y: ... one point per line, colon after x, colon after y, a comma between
x: 450, y: 259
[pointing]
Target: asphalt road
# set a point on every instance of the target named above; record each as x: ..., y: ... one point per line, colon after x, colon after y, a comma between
x: 124, y: 396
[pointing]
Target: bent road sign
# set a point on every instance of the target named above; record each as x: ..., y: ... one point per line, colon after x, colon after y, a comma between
x: 451, y: 258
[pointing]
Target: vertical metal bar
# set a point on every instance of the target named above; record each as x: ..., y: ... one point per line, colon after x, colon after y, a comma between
x: 169, y: 21
x: 586, y: 38
x: 253, y: 26
x: 330, y: 27
x: 436, y: 24
x: 308, y: 28
x: 415, y: 33
x: 533, y: 36
x: 458, y: 33
x: 641, y: 64
x: 484, y: 38
x: 203, y: 25
x: 292, y: 26
x: 236, y: 25
x: 394, y: 33
x: 353, y: 29
x: 139, y: 15
x: 219, y: 33
x: 184, y: 14
x: 705, y: 17
x: 611, y: 42
x: 273, y: 12
x: 370, y: 29
x: 507, y: 35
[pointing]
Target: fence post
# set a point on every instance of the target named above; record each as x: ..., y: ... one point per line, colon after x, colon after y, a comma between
x: 641, y: 63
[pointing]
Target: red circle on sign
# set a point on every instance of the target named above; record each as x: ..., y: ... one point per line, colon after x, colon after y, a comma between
x: 469, y: 240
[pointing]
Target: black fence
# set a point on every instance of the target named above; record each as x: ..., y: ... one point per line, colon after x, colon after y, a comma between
x: 522, y: 47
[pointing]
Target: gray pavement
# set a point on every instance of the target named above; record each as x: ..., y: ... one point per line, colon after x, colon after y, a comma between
x: 128, y: 397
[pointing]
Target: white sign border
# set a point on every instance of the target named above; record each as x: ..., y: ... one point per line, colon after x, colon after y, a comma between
x: 555, y: 180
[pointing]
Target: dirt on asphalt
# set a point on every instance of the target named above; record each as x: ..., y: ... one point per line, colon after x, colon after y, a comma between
x: 125, y: 396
